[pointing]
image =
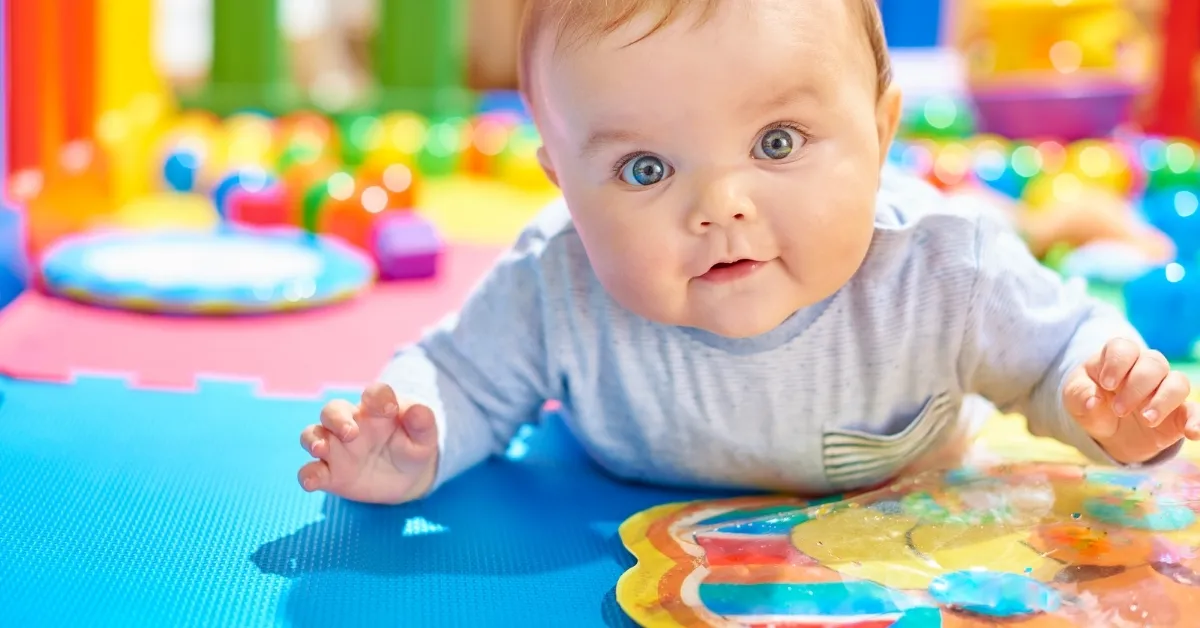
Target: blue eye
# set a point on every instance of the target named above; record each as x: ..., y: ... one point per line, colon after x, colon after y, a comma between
x: 645, y: 170
x: 777, y: 143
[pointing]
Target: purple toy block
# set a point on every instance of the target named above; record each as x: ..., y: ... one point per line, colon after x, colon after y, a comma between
x: 407, y: 246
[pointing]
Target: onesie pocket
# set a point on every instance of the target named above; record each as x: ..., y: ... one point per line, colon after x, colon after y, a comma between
x: 856, y: 459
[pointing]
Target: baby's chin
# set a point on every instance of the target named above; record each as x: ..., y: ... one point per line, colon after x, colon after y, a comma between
x: 740, y: 325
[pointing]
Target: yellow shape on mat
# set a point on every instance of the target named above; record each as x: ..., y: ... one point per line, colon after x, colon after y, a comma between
x: 167, y: 211
x: 479, y: 211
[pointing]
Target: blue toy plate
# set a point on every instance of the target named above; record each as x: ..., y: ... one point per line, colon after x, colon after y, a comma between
x: 225, y: 272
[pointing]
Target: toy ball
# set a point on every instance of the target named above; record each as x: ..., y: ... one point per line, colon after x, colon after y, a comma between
x: 1173, y: 211
x: 518, y: 165
x: 181, y: 168
x: 940, y: 118
x: 443, y: 147
x: 398, y: 183
x: 361, y: 135
x: 338, y: 187
x: 895, y: 154
x: 952, y: 166
x: 917, y: 157
x: 992, y: 165
x: 308, y: 126
x: 1164, y: 306
x: 1008, y: 171
x: 1047, y: 190
x: 488, y: 136
x: 1170, y: 164
x: 1053, y: 156
x: 242, y: 179
x: 1101, y: 164
x: 249, y: 141
x: 402, y: 136
x: 305, y: 136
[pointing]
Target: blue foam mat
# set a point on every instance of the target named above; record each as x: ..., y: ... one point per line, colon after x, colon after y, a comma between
x: 142, y: 508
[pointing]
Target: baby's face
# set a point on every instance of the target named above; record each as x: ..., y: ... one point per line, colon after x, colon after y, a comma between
x: 720, y: 176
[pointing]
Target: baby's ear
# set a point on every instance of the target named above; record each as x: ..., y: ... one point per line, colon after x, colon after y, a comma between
x: 547, y: 167
x: 887, y: 119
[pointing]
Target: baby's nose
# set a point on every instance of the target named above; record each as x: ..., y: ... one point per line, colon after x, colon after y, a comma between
x: 721, y: 207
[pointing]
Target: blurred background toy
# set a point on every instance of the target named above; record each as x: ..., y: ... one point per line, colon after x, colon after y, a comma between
x: 1051, y: 68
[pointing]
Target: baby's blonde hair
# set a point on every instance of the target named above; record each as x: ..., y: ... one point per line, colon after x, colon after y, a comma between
x: 575, y: 21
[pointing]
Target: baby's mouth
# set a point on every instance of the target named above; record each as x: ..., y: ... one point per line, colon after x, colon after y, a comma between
x: 729, y: 271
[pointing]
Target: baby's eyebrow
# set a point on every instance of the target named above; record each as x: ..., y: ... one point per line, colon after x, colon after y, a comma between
x: 789, y: 95
x: 602, y: 137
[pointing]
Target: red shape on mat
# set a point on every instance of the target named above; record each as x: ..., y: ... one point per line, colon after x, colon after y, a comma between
x: 43, y: 338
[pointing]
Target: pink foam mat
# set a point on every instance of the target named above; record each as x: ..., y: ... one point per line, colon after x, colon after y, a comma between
x: 44, y: 338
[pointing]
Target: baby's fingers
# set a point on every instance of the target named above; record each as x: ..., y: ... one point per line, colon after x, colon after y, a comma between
x: 314, y: 476
x: 1083, y: 400
x: 1169, y: 397
x: 315, y: 440
x: 1148, y: 374
x: 379, y: 402
x: 420, y: 427
x: 338, y: 417
x: 1191, y: 413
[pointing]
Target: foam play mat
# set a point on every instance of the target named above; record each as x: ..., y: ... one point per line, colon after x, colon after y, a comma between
x: 1030, y: 544
x: 221, y: 272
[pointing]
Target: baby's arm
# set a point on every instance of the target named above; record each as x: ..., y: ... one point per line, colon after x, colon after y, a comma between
x: 483, y: 370
x: 446, y: 402
x: 1028, y: 332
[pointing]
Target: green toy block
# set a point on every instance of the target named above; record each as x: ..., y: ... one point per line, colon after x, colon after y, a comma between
x: 419, y: 58
x: 248, y: 70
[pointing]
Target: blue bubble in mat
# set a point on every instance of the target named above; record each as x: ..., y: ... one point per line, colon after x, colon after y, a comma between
x: 994, y: 594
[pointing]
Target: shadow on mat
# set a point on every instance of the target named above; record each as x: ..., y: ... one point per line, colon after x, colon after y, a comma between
x: 549, y: 511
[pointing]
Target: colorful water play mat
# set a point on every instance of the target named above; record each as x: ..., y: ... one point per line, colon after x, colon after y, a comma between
x: 1032, y: 539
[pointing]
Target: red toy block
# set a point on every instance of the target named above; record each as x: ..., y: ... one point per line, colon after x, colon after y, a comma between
x: 267, y: 207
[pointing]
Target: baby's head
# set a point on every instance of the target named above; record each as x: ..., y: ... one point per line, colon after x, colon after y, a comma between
x: 720, y: 158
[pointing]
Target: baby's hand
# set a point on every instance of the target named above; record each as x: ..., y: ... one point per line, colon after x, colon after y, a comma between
x: 383, y: 451
x: 1131, y: 402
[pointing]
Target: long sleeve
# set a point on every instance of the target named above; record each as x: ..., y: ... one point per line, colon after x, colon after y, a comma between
x: 482, y: 370
x: 1027, y: 331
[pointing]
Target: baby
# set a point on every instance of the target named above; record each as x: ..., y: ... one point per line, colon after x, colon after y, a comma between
x: 735, y: 292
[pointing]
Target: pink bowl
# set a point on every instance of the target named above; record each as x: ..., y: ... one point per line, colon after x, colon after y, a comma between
x: 1068, y: 113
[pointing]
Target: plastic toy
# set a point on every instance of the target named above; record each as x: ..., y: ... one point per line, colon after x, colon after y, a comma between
x: 1164, y: 306
x: 419, y: 59
x: 912, y: 23
x: 227, y: 272
x: 1170, y: 164
x: 1174, y: 212
x: 13, y: 267
x: 1173, y: 112
x: 1050, y: 68
x: 250, y: 179
x: 248, y: 71
x: 407, y: 246
x: 31, y: 80
x: 397, y: 180
x: 262, y: 207
x: 181, y: 169
x: 518, y: 164
x: 1021, y: 545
